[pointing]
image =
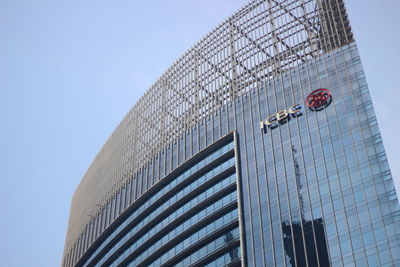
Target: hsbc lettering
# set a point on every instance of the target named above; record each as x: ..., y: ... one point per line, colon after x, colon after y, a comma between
x: 281, y: 117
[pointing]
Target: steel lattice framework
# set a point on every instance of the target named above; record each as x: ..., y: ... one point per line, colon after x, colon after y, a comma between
x: 260, y: 41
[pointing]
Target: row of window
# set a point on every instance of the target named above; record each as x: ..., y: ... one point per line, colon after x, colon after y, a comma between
x: 233, y: 255
x: 332, y: 170
x: 204, y: 232
x: 156, y: 196
x: 174, y: 199
x: 183, y: 226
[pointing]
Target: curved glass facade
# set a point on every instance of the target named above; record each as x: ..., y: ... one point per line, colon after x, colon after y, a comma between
x: 186, y: 219
x: 288, y: 169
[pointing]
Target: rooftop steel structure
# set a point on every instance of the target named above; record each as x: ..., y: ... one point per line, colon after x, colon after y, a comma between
x: 262, y: 40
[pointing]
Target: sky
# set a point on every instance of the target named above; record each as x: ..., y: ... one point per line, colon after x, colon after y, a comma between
x: 70, y: 70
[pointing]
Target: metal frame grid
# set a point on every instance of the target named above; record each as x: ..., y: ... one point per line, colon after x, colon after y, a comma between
x: 257, y: 43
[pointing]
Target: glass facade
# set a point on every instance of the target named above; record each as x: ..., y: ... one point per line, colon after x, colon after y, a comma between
x: 189, y: 218
x: 269, y: 179
x: 324, y: 190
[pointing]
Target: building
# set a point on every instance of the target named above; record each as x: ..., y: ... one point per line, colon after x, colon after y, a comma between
x: 258, y: 147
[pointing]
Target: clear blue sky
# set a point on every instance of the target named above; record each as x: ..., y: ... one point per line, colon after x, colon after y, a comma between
x: 70, y: 70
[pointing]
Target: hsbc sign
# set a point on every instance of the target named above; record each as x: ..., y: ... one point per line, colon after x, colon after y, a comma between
x: 317, y: 100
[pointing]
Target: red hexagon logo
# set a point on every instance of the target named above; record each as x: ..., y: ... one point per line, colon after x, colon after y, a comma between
x: 319, y: 99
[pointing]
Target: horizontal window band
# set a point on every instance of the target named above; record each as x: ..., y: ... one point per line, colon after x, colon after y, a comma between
x: 189, y: 231
x: 223, y: 141
x: 207, y: 220
x: 216, y: 254
x: 188, y: 251
x: 228, y: 155
x: 234, y: 263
